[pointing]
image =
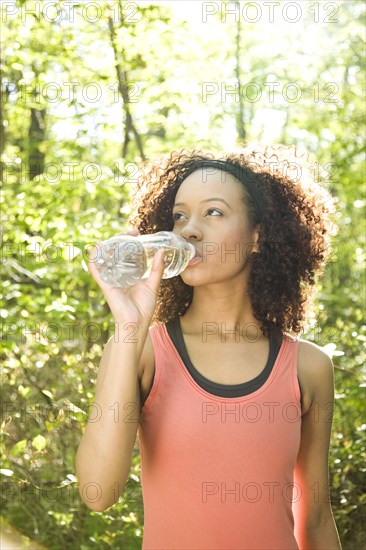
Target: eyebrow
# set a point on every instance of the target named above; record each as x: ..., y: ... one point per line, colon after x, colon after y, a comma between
x: 205, y: 200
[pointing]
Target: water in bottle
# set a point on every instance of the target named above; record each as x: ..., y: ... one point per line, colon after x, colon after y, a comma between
x: 124, y: 260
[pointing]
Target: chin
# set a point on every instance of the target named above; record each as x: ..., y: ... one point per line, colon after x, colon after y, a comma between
x: 193, y: 280
x: 212, y: 276
x: 198, y: 279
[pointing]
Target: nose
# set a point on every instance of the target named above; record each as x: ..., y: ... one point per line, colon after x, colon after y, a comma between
x: 191, y: 231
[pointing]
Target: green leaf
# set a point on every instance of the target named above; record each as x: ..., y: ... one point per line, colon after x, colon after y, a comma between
x: 19, y: 447
x: 48, y: 393
x: 39, y: 442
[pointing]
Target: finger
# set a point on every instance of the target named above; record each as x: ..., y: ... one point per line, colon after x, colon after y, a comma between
x: 94, y: 254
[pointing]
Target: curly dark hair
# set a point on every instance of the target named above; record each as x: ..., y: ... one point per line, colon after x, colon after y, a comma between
x: 294, y: 233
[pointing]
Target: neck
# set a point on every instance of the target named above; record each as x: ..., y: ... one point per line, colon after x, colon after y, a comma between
x: 219, y: 311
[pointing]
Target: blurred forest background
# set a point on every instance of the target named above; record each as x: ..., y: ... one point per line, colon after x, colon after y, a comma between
x: 88, y: 91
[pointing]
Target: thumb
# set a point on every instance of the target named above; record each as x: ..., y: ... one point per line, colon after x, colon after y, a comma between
x: 157, y: 270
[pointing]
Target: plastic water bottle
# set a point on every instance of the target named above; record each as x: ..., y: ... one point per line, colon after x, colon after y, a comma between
x: 124, y: 260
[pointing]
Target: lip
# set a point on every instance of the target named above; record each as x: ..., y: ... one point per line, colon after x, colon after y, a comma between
x: 196, y: 259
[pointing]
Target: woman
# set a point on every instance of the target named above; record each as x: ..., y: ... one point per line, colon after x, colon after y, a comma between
x: 233, y: 411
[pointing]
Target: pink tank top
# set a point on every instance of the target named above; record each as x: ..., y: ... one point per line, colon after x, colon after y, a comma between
x: 217, y: 473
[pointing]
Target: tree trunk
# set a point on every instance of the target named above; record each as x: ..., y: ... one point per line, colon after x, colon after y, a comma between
x: 240, y: 125
x: 3, y: 98
x: 36, y: 136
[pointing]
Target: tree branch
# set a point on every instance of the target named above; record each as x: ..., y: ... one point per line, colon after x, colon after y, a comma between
x: 124, y: 92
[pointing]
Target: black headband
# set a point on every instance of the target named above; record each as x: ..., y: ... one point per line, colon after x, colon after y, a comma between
x: 243, y: 174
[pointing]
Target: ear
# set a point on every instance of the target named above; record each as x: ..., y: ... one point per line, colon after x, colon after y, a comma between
x: 255, y: 239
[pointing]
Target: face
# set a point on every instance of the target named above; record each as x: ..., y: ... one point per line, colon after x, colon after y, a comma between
x: 209, y: 211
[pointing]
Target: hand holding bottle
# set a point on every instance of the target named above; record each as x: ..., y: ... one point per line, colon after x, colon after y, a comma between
x: 125, y: 260
x: 133, y: 304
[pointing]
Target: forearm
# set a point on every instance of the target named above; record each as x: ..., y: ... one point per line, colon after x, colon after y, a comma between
x: 323, y: 536
x: 104, y: 455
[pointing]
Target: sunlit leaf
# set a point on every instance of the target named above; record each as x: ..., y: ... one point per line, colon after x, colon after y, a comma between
x: 39, y: 442
x: 19, y: 447
x: 5, y: 472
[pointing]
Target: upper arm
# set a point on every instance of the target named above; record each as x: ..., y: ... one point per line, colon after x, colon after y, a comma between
x: 146, y: 359
x: 312, y: 470
x: 145, y: 369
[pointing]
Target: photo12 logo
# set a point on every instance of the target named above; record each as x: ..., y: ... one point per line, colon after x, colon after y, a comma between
x: 271, y: 92
x: 270, y: 12
x: 69, y: 92
x: 71, y: 171
x: 54, y: 12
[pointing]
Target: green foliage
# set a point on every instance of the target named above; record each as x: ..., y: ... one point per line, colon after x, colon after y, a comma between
x: 55, y: 322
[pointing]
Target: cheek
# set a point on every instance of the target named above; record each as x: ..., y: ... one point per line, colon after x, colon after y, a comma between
x: 232, y: 249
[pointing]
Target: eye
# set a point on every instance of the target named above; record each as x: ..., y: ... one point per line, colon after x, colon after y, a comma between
x: 176, y: 216
x: 215, y: 210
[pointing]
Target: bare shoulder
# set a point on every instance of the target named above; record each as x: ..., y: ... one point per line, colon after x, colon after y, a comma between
x: 314, y: 358
x: 315, y: 371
